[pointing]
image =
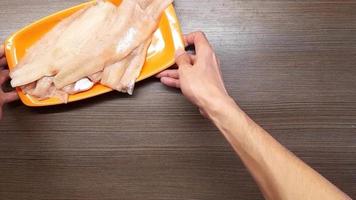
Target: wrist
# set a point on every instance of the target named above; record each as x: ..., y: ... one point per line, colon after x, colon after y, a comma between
x: 225, y: 111
x: 217, y: 106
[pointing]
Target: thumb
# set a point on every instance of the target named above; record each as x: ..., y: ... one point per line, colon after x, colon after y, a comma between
x: 182, y: 58
x: 10, y: 96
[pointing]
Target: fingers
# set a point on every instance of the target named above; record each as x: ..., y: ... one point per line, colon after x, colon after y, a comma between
x: 170, y: 78
x: 10, y: 97
x: 2, y: 51
x: 186, y: 43
x: 193, y: 58
x: 4, y: 76
x: 2, y: 56
x: 172, y: 73
x: 3, y: 62
x: 183, y: 58
x: 170, y: 82
x: 198, y: 39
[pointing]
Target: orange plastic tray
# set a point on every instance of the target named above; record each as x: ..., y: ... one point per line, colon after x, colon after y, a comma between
x: 166, y: 40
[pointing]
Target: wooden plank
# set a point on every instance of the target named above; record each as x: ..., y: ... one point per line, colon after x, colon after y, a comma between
x: 289, y: 64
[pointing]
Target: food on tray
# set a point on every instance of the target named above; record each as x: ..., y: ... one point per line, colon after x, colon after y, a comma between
x: 100, y: 43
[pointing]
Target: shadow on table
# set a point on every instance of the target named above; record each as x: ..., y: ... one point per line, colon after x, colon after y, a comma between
x: 86, y: 102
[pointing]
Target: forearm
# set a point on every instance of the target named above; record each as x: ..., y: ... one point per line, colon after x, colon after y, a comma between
x: 279, y: 174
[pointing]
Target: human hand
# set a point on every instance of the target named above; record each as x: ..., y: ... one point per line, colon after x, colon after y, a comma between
x: 198, y: 76
x: 5, y: 97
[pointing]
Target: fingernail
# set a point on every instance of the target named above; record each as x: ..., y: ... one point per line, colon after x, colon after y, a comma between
x: 179, y: 52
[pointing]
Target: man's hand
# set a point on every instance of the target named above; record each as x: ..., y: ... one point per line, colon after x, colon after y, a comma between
x: 4, y: 76
x: 278, y: 172
x: 198, y: 76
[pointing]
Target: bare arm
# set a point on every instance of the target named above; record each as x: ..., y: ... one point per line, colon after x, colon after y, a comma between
x: 278, y: 172
x: 4, y: 76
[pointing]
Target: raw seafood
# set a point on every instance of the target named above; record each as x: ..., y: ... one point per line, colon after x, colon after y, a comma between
x: 64, y: 50
x: 99, y: 43
x: 121, y: 76
x: 44, y: 89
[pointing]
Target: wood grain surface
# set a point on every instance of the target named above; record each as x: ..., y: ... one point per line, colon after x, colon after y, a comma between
x: 290, y: 64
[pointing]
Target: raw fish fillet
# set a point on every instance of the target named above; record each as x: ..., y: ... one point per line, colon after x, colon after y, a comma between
x: 127, y: 82
x: 122, y: 75
x: 100, y: 43
x: 69, y: 48
x: 95, y: 78
x: 48, y: 41
x: 44, y: 89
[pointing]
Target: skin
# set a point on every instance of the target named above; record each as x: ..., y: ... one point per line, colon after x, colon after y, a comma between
x: 5, y: 97
x: 278, y: 172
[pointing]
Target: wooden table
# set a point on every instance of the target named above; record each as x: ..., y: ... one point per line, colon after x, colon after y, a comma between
x: 291, y: 65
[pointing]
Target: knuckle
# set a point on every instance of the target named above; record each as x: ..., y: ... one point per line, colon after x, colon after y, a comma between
x: 200, y: 34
